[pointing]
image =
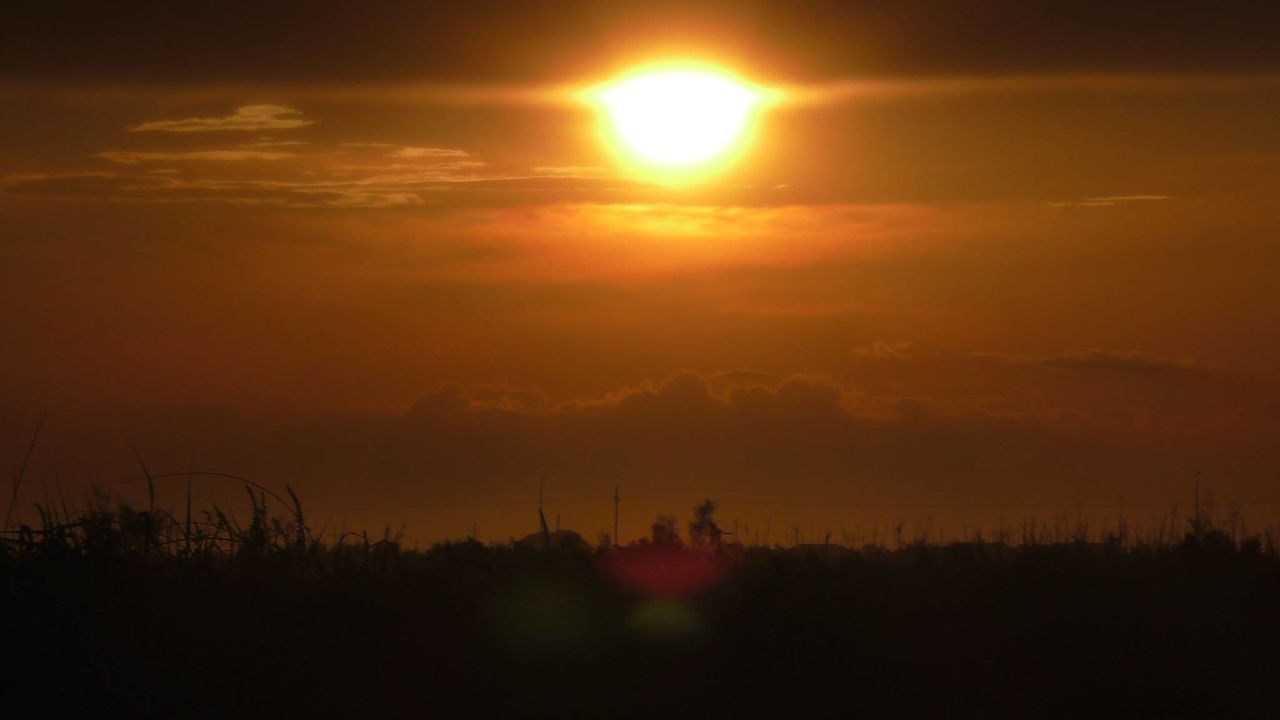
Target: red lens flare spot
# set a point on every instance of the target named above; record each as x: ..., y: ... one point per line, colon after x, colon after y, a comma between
x: 666, y: 570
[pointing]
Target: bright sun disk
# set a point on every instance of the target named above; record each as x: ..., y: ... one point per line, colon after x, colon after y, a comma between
x: 678, y: 119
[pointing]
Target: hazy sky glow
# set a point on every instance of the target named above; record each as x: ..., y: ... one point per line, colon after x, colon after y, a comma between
x: 380, y: 252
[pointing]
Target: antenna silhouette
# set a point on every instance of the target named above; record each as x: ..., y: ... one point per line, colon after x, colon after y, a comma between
x: 1197, y: 524
x: 617, y: 500
x: 542, y: 518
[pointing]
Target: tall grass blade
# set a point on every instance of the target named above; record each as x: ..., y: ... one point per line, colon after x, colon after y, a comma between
x: 22, y: 471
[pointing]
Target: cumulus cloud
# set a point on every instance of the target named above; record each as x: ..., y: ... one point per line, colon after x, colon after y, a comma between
x: 744, y: 376
x: 248, y: 117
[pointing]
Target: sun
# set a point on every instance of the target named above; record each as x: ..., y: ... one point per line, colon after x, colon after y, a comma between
x: 678, y: 122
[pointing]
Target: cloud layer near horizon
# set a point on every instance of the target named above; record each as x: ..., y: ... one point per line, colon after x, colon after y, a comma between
x: 804, y: 450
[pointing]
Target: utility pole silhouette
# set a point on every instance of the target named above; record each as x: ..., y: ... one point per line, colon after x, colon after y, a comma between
x: 617, y: 500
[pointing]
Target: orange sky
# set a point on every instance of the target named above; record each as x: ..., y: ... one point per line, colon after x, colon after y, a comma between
x: 977, y: 259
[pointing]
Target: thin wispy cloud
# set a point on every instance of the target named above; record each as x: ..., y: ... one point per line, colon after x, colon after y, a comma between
x: 276, y: 143
x: 429, y: 152
x: 1112, y: 200
x: 384, y: 175
x: 570, y: 170
x: 1131, y: 361
x: 371, y: 187
x: 885, y: 350
x: 248, y: 117
x: 129, y: 157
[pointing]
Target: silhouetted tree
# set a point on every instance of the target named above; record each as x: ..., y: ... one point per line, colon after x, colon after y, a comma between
x: 663, y: 531
x: 703, y: 530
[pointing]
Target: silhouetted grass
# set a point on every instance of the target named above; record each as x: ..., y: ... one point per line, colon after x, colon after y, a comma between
x: 140, y: 613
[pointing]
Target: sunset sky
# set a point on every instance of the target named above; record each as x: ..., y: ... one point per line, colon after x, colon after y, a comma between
x: 975, y: 258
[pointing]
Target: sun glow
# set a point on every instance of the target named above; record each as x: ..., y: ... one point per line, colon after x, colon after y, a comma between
x: 678, y: 123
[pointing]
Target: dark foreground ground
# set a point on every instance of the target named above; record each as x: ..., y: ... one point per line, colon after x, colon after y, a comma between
x: 470, y: 631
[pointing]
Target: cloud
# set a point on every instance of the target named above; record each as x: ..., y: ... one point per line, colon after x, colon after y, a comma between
x: 791, y: 439
x: 415, y: 176
x: 1128, y: 362
x: 448, y: 400
x: 1112, y: 200
x: 882, y: 350
x: 570, y: 170
x: 248, y: 117
x: 267, y: 142
x: 128, y: 157
x: 79, y: 185
x: 1132, y: 361
x: 372, y: 192
x: 429, y: 152
x: 795, y: 438
x: 744, y: 376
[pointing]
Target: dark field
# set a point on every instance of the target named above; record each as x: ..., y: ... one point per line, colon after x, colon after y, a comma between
x: 123, y: 613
